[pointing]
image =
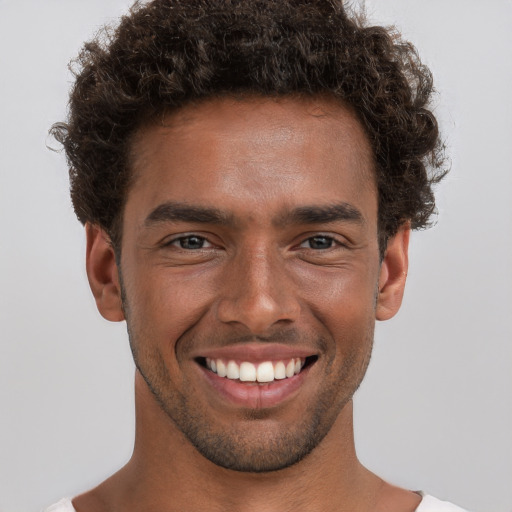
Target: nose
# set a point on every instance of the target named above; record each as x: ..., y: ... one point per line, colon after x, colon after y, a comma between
x: 258, y: 293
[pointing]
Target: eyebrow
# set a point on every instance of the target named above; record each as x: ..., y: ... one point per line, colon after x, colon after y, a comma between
x: 314, y: 214
x: 182, y: 212
x: 322, y: 214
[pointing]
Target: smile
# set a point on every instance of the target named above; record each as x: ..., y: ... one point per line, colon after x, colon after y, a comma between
x: 264, y: 372
x: 254, y: 375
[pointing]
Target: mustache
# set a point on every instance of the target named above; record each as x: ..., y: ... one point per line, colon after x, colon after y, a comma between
x: 282, y: 335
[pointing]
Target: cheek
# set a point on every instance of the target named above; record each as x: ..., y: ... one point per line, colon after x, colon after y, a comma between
x: 342, y: 301
x: 339, y: 294
x: 163, y: 306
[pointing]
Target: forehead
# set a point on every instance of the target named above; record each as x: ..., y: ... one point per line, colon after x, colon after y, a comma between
x: 261, y: 151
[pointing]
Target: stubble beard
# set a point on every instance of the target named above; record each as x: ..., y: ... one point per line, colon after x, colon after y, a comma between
x: 250, y: 446
x: 241, y: 449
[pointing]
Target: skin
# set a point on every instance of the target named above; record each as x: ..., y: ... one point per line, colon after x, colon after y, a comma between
x: 264, y: 276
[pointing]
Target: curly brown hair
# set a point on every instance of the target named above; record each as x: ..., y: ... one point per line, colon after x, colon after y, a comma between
x: 167, y: 53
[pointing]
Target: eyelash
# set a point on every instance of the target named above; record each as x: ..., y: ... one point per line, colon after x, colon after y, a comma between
x: 179, y: 240
x: 331, y: 240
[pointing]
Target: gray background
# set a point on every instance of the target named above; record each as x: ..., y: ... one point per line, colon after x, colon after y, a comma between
x: 435, y: 411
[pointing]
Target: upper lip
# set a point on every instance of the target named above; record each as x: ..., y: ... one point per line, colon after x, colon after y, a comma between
x: 256, y: 352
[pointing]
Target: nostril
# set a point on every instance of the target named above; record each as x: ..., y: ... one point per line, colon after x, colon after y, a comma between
x: 258, y: 312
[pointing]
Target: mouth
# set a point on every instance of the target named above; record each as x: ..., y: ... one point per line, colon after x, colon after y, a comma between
x: 255, y: 379
x: 257, y: 372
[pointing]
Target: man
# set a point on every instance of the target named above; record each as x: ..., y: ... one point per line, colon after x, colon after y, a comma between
x: 248, y: 174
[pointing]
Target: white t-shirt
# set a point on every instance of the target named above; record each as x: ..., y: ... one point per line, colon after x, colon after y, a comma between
x: 428, y: 504
x: 431, y: 504
x: 63, y: 505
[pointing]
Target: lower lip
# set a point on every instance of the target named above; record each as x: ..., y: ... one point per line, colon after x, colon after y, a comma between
x: 254, y: 395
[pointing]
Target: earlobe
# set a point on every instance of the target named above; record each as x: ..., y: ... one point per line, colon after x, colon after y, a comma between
x: 393, y: 275
x: 103, y: 273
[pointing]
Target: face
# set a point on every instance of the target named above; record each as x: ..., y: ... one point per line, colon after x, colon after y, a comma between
x: 250, y: 273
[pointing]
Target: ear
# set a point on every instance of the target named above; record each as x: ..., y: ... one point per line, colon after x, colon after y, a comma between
x: 393, y: 274
x: 103, y: 273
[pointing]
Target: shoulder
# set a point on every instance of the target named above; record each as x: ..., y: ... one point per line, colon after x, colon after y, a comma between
x: 63, y: 505
x: 431, y: 504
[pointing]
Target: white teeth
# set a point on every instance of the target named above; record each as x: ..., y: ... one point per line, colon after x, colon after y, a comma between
x: 233, y: 371
x: 247, y: 372
x: 290, y: 369
x: 221, y: 368
x: 265, y: 372
x: 279, y: 371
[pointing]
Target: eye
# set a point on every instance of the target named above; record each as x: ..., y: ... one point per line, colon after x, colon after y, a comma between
x: 318, y: 242
x: 191, y: 242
